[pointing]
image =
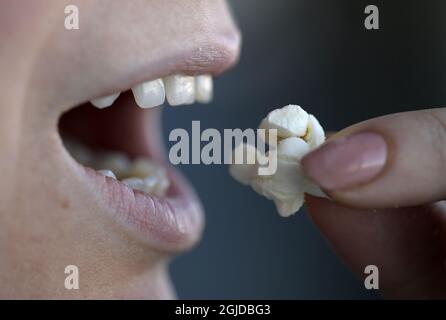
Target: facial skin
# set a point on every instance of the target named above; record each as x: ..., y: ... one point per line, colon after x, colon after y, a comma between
x: 49, y: 217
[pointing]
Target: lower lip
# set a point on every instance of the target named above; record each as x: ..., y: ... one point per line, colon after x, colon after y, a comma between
x: 170, y: 224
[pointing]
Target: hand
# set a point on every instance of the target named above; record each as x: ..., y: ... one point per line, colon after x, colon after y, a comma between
x: 387, y: 177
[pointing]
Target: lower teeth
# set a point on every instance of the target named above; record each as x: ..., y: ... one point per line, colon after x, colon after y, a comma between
x: 139, y: 174
x: 107, y: 173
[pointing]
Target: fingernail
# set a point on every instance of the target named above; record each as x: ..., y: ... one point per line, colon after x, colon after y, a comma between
x: 347, y: 162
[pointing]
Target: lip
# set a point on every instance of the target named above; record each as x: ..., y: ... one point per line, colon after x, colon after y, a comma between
x: 170, y: 224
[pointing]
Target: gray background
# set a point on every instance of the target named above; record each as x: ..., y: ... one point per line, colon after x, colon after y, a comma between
x: 316, y: 54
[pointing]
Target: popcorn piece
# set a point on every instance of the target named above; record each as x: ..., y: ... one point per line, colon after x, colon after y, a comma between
x: 290, y: 121
x: 242, y: 169
x: 285, y: 187
x: 292, y: 148
x: 298, y: 134
x: 315, y: 135
x: 288, y: 208
x: 313, y: 189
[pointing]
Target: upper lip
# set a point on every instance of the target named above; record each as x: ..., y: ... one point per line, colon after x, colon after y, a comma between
x: 211, y: 54
x: 213, y: 57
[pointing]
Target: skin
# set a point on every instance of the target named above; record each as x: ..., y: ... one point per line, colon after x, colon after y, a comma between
x: 49, y: 220
x: 397, y: 220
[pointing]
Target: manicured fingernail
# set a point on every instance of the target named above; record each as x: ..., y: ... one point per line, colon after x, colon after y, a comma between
x: 347, y: 162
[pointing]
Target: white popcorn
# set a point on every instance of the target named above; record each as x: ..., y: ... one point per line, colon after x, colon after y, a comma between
x: 242, y: 169
x: 292, y: 148
x: 298, y: 134
x: 290, y: 121
x: 285, y: 187
x: 288, y: 208
x: 315, y: 135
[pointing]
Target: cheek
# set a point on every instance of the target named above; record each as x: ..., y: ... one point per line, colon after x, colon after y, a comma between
x: 23, y: 26
x: 19, y: 18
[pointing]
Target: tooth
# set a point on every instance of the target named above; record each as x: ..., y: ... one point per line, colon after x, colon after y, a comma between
x: 107, y: 173
x: 203, y: 88
x: 161, y: 186
x: 154, y: 176
x: 156, y: 185
x: 142, y: 168
x: 149, y: 94
x: 117, y: 162
x: 104, y: 102
x: 150, y: 185
x: 180, y: 90
x: 135, y: 183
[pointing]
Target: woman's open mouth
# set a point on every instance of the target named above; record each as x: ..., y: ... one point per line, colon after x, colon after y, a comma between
x: 108, y: 160
x: 114, y: 144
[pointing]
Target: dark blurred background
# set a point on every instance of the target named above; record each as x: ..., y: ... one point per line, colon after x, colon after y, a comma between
x: 316, y: 54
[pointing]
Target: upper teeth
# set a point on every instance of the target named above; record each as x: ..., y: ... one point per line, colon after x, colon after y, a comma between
x: 106, y: 101
x: 149, y: 94
x: 178, y: 89
x: 203, y: 89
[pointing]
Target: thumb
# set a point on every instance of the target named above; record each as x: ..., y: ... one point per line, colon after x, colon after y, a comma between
x: 391, y: 161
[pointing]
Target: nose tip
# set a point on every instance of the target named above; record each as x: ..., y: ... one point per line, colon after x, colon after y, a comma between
x: 223, y: 35
x: 229, y: 47
x: 207, y: 38
x: 213, y: 52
